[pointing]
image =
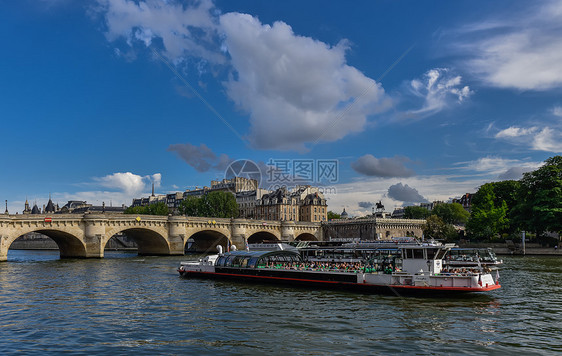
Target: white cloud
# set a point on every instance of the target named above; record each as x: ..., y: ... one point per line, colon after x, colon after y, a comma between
x: 489, y: 164
x: 557, y: 111
x: 523, y: 52
x: 549, y: 140
x: 129, y: 183
x: 546, y: 139
x: 438, y: 89
x: 296, y: 89
x: 369, y: 165
x: 185, y: 31
x: 515, y: 173
x: 97, y: 197
x: 493, y: 168
x: 514, y: 131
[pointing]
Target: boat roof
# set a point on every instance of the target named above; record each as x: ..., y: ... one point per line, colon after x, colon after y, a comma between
x: 244, y: 253
x: 376, y: 246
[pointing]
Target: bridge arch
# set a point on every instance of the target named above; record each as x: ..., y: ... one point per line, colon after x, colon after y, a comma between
x: 262, y: 236
x: 70, y: 245
x: 149, y: 241
x: 306, y: 236
x: 206, y: 241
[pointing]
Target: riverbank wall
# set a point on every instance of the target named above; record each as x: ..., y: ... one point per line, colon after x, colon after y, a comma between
x: 515, y: 249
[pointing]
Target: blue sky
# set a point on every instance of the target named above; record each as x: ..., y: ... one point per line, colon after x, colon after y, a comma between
x: 417, y: 101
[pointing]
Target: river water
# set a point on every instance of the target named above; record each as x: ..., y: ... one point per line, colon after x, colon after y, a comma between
x: 125, y: 304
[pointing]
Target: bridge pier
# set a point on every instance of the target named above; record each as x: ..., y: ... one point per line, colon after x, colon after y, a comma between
x: 176, y: 235
x: 94, y: 233
x: 238, y: 233
x: 4, y: 248
x: 288, y: 230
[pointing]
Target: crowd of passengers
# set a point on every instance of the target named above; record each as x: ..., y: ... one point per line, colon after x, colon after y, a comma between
x: 461, y: 271
x: 328, y: 266
x: 360, y: 267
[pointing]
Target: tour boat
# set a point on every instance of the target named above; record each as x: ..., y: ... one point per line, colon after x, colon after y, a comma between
x: 471, y: 257
x: 398, y: 268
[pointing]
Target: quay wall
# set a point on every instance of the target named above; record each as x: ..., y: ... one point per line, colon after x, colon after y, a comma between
x: 510, y: 249
x: 46, y: 244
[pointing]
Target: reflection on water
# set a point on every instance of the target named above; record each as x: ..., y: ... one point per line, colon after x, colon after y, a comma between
x: 130, y: 304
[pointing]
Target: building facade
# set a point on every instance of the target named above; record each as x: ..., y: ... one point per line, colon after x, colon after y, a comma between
x: 304, y: 203
x: 313, y: 208
x: 235, y: 185
x: 247, y: 202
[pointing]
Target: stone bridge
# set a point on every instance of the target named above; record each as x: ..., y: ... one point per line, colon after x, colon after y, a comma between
x: 85, y: 236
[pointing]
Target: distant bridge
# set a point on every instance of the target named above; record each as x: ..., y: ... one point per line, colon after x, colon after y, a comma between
x: 85, y: 236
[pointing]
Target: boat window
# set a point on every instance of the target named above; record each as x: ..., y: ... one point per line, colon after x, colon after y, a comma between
x: 409, y: 253
x: 441, y: 254
x: 418, y: 253
x: 220, y: 261
x: 244, y: 262
x: 252, y: 262
x: 228, y: 261
x: 430, y: 253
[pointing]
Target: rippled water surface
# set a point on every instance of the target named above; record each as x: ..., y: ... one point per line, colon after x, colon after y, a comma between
x: 130, y: 304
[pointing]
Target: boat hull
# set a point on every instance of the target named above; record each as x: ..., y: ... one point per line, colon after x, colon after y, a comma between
x: 329, y: 280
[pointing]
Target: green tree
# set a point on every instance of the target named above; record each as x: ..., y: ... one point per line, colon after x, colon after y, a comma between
x: 507, y: 191
x: 436, y: 228
x: 152, y: 209
x: 213, y: 204
x: 486, y: 219
x: 332, y: 215
x: 416, y: 212
x: 219, y: 205
x: 452, y: 213
x: 158, y: 209
x: 540, y: 198
x: 138, y: 210
x: 190, y: 206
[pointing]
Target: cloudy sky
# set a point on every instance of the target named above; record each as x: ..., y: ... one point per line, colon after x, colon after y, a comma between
x: 413, y: 101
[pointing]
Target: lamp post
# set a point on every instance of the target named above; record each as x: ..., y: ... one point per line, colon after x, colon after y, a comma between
x: 6, y: 212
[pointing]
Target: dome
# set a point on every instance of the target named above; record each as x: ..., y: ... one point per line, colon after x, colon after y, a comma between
x: 343, y: 214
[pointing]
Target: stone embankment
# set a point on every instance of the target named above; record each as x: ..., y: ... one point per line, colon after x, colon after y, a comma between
x: 516, y: 249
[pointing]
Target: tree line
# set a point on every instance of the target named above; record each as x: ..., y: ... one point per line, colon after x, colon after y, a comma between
x: 502, y: 210
x: 533, y: 204
x: 215, y: 204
